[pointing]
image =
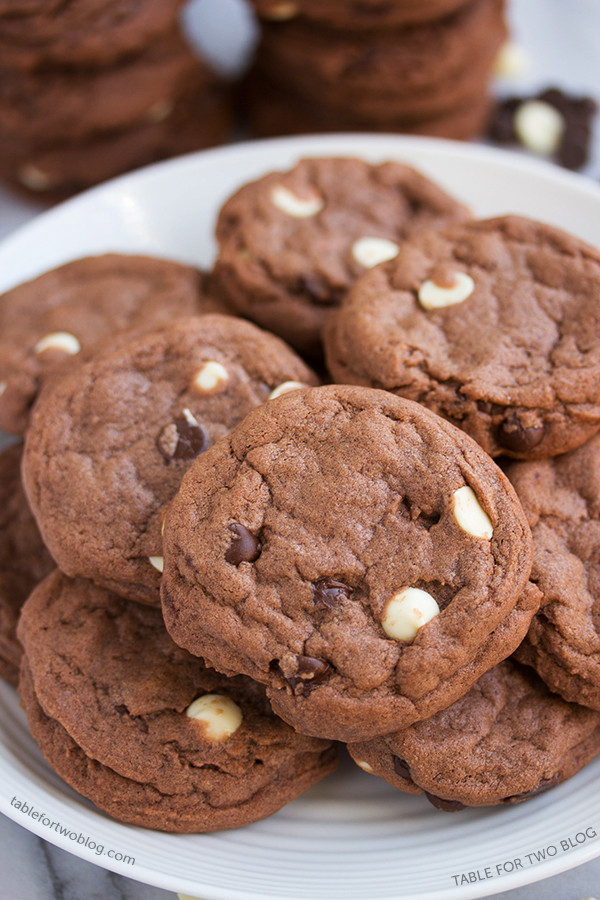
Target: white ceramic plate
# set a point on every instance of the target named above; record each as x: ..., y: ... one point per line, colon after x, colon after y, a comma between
x: 352, y: 837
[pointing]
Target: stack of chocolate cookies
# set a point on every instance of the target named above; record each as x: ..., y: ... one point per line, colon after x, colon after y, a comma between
x: 252, y: 566
x: 93, y: 88
x: 419, y: 68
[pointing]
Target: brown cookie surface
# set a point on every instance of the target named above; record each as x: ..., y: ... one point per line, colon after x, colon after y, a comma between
x: 508, y: 739
x: 80, y: 32
x: 292, y: 243
x: 349, y: 14
x: 24, y: 560
x: 61, y: 314
x: 561, y: 498
x: 199, y: 118
x: 109, y: 443
x: 319, y: 549
x: 492, y: 324
x: 46, y: 104
x: 275, y: 109
x: 413, y: 73
x: 144, y: 729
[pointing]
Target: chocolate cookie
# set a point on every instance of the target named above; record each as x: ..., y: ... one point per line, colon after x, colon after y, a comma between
x: 361, y: 15
x: 55, y: 169
x: 46, y: 104
x: 273, y: 109
x: 109, y: 443
x: 292, y: 243
x: 508, y: 739
x: 24, y: 560
x: 63, y: 313
x: 492, y: 324
x: 353, y: 551
x: 80, y: 32
x: 561, y: 498
x: 413, y: 73
x: 145, y: 730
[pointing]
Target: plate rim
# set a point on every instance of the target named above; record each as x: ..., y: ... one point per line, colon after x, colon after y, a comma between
x: 308, y: 145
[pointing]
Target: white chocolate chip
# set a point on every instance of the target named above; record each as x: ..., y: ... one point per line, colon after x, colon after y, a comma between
x: 34, y: 178
x: 211, y: 378
x: 3, y: 386
x: 406, y: 612
x: 539, y: 127
x: 470, y: 515
x: 285, y: 388
x: 370, y: 251
x: 159, y: 111
x: 220, y: 714
x: 158, y: 562
x: 435, y: 296
x: 189, y: 417
x: 512, y: 61
x: 298, y: 207
x: 365, y: 767
x: 59, y: 340
x: 281, y: 12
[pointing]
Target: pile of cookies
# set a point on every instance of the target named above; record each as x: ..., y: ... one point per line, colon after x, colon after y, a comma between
x: 421, y: 68
x: 252, y: 566
x: 91, y: 89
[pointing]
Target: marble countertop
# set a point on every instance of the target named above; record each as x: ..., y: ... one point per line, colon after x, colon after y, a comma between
x: 560, y: 43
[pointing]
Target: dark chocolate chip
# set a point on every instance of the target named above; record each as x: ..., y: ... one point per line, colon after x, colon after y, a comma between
x: 445, y: 805
x: 574, y: 148
x: 544, y: 785
x: 401, y: 768
x: 517, y: 438
x: 309, y: 673
x: 330, y: 592
x: 245, y: 547
x: 501, y: 127
x: 182, y: 439
x: 556, y: 98
x: 319, y: 291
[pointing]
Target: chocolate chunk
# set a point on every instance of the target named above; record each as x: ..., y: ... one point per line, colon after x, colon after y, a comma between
x: 512, y: 435
x: 330, y: 592
x: 445, y: 805
x: 544, y: 785
x: 309, y: 673
x: 401, y: 768
x: 245, y: 547
x: 577, y: 112
x: 501, y: 128
x: 182, y: 439
x: 574, y: 148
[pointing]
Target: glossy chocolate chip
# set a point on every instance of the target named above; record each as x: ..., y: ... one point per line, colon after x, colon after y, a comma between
x: 401, y: 768
x: 182, y: 438
x: 544, y: 785
x: 517, y: 438
x: 330, y: 593
x: 445, y: 805
x: 309, y: 672
x: 245, y: 547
